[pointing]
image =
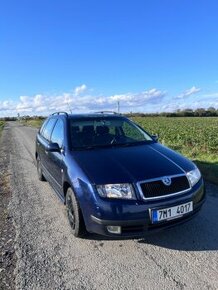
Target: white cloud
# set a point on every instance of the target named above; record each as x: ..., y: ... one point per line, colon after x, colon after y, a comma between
x: 80, y: 101
x: 7, y: 107
x: 189, y: 92
x: 80, y: 89
x: 172, y: 106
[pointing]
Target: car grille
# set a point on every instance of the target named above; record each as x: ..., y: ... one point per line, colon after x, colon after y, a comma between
x: 157, y: 189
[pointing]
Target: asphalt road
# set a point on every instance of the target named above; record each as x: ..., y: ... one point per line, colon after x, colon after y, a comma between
x: 49, y: 257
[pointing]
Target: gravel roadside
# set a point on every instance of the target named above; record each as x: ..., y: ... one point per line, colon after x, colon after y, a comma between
x: 49, y: 257
x: 7, y: 230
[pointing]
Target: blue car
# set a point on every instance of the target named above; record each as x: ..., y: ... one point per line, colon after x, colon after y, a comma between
x: 114, y: 177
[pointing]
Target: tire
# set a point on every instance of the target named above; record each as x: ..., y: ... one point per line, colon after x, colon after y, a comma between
x: 39, y: 170
x: 74, y: 214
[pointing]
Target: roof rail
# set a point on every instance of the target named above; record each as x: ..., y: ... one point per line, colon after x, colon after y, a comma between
x: 107, y: 112
x: 59, y: 113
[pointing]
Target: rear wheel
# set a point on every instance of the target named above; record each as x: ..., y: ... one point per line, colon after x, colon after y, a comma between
x: 74, y: 214
x: 39, y: 170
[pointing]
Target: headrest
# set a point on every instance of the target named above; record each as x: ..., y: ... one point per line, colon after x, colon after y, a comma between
x: 75, y: 129
x: 88, y: 129
x: 102, y: 130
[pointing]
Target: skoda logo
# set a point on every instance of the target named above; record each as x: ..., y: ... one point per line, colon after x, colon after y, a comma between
x: 166, y: 181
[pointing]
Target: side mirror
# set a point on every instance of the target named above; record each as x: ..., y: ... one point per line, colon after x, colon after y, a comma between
x: 155, y: 137
x: 53, y: 147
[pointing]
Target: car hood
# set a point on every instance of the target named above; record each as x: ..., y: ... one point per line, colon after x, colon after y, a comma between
x: 131, y: 164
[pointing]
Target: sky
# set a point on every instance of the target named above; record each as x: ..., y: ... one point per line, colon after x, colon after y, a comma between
x: 86, y: 55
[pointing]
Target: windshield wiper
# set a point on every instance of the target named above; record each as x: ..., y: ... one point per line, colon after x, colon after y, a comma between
x: 134, y: 143
x: 92, y: 147
x: 84, y: 148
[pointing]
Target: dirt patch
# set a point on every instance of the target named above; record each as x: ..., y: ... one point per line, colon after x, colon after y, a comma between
x: 7, y: 231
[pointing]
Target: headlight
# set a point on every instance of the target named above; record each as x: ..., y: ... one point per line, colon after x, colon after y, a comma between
x: 123, y: 191
x: 194, y: 176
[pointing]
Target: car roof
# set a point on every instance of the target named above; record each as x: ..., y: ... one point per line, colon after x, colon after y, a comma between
x: 93, y: 115
x: 87, y: 115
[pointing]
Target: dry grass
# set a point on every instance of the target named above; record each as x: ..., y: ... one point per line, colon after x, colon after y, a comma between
x: 33, y: 123
x: 2, y: 123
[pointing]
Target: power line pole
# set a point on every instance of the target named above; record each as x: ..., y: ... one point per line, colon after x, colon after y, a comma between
x: 118, y: 107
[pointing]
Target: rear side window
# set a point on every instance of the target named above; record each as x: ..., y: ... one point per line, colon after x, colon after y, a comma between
x: 58, y: 133
x: 43, y: 126
x: 46, y: 133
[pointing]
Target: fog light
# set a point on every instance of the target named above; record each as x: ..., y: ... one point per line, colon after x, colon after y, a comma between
x: 114, y: 229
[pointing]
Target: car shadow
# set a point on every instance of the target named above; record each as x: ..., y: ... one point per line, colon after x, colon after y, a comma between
x: 199, y: 234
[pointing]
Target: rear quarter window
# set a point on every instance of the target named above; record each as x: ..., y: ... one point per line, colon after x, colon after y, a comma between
x: 43, y: 126
x: 58, y: 133
x: 47, y: 129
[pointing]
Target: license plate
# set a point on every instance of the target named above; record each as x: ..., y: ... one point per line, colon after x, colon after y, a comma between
x: 170, y: 213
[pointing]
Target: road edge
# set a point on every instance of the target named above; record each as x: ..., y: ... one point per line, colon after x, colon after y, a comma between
x: 8, y: 257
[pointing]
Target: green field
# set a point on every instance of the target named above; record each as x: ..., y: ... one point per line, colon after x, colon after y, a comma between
x: 196, y: 138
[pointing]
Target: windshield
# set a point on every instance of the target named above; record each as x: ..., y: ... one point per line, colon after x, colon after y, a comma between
x: 105, y: 132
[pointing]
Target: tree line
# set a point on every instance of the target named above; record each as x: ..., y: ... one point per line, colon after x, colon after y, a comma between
x: 200, y: 112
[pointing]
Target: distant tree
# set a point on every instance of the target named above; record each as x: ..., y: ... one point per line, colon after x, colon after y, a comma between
x: 211, y: 111
x: 201, y: 112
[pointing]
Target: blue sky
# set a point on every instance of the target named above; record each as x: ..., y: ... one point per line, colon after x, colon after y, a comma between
x: 151, y: 55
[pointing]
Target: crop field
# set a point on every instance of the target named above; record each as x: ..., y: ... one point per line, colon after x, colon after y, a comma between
x: 196, y: 138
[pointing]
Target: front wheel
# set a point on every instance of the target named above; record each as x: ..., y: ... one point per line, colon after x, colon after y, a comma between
x: 74, y: 214
x: 39, y: 170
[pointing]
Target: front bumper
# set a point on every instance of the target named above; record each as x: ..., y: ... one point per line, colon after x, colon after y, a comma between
x: 137, y: 223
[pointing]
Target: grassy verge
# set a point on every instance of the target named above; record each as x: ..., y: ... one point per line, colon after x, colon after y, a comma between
x: 209, y: 170
x: 1, y: 126
x: 206, y: 162
x: 33, y: 123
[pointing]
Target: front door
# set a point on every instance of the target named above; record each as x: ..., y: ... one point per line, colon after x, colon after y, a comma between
x: 56, y: 158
